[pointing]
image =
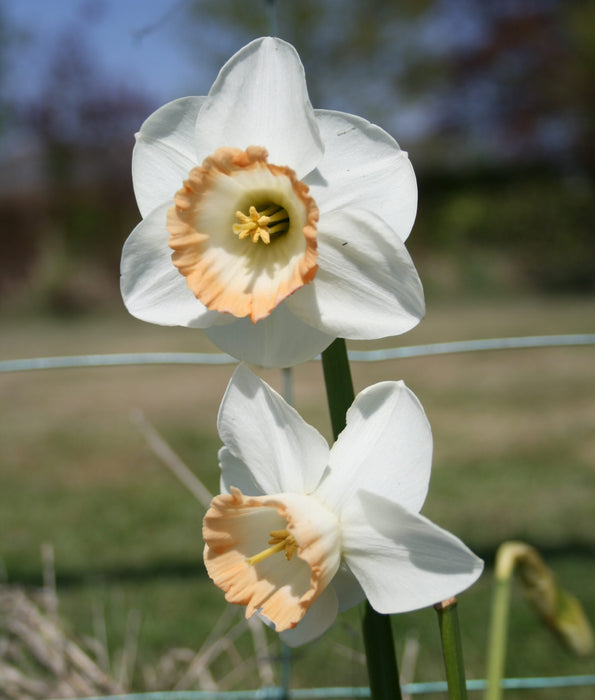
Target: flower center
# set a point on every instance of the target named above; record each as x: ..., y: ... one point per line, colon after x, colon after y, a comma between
x: 279, y: 540
x: 236, y: 195
x: 262, y: 225
x: 281, y: 588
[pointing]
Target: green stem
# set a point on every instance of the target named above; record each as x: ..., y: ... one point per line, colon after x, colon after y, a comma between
x: 452, y: 649
x: 378, y: 637
x: 380, y: 656
x: 339, y: 387
x: 497, y: 638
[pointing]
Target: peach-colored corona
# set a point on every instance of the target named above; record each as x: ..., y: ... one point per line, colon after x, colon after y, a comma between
x: 282, y: 588
x: 240, y: 275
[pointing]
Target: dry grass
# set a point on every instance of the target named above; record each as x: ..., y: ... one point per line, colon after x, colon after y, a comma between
x: 39, y: 657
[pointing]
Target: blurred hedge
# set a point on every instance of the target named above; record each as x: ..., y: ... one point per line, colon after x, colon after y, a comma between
x: 485, y: 231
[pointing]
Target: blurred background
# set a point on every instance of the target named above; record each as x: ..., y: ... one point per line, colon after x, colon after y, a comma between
x: 495, y: 104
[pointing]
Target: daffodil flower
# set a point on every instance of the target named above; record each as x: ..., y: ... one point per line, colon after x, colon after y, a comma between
x: 273, y: 226
x: 302, y: 532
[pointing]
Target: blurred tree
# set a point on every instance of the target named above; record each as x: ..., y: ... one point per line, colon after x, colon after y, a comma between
x: 578, y: 83
x: 78, y: 110
x: 3, y: 41
x: 86, y: 126
x: 6, y: 39
x: 463, y: 79
x: 528, y: 81
x: 494, y: 100
x: 68, y: 231
x: 16, y: 236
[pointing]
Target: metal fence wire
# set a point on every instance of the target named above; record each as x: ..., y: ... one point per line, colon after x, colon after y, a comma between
x: 197, y: 358
x: 279, y: 693
x: 283, y: 692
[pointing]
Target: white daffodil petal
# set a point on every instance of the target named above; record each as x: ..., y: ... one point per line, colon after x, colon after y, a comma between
x: 364, y: 167
x: 320, y: 616
x: 235, y: 473
x: 280, y: 340
x: 152, y: 288
x: 386, y: 448
x: 279, y: 308
x: 260, y: 99
x: 347, y: 587
x: 164, y: 153
x: 366, y: 285
x: 281, y: 451
x: 402, y: 560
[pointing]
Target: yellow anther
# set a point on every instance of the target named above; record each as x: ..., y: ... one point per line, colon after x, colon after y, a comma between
x: 261, y: 225
x: 280, y: 540
x: 253, y: 225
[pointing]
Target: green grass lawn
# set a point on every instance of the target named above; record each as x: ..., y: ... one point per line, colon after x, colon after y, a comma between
x: 514, y: 459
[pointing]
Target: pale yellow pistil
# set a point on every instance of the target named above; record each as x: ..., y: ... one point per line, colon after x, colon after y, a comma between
x: 280, y: 540
x: 272, y: 221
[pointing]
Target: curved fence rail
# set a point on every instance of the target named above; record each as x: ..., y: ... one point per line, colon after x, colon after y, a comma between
x: 279, y: 693
x: 198, y: 358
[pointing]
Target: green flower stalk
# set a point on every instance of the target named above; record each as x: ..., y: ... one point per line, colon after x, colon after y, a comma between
x: 558, y: 609
x: 452, y: 648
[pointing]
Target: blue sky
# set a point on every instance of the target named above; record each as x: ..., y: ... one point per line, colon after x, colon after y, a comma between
x: 143, y: 44
x: 132, y: 41
x: 147, y: 45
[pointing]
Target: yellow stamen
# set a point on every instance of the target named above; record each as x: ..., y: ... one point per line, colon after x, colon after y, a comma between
x: 280, y: 540
x: 255, y: 224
